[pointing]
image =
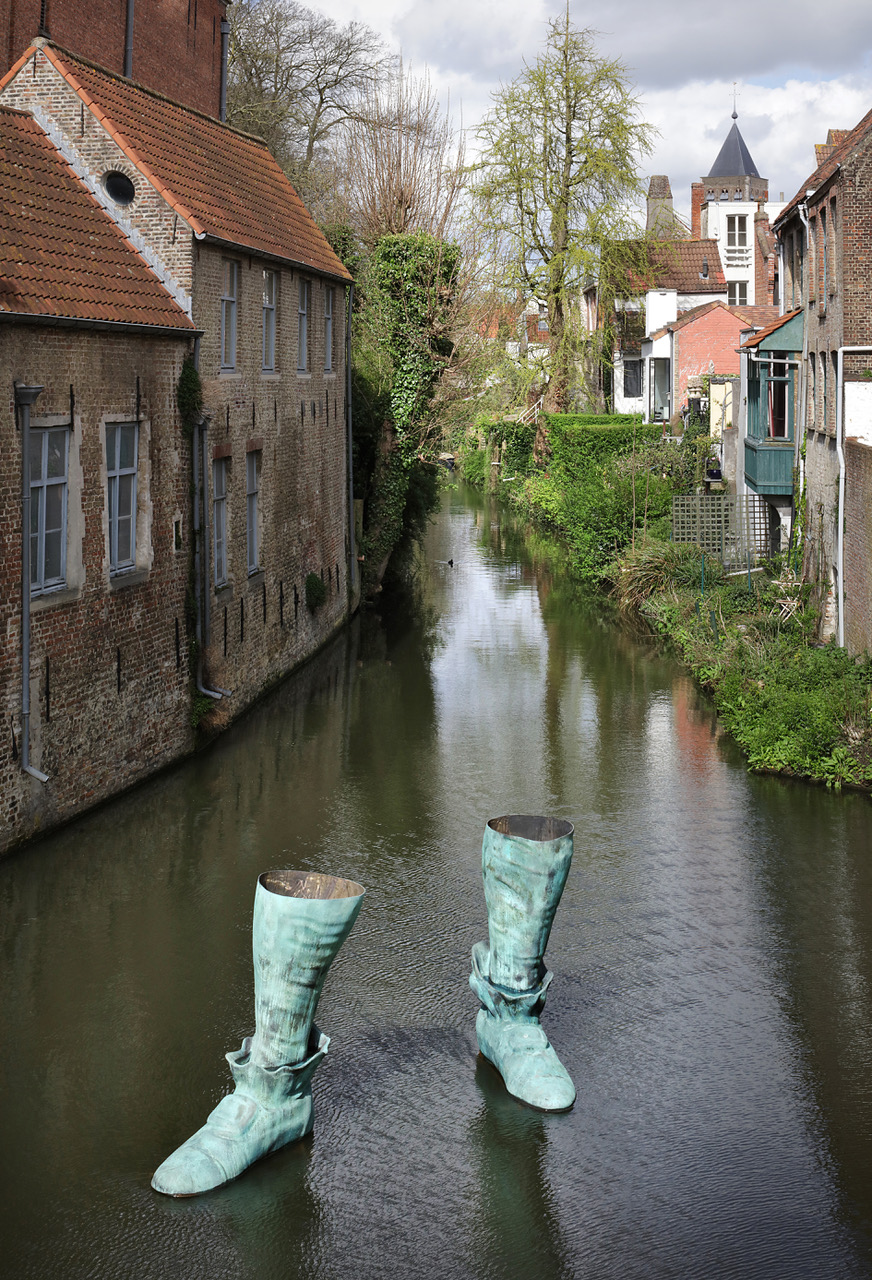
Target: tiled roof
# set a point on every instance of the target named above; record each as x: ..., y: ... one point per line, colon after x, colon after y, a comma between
x: 771, y: 328
x: 748, y: 317
x: 225, y: 184
x: 678, y: 264
x: 757, y: 316
x: 60, y: 255
x: 844, y: 140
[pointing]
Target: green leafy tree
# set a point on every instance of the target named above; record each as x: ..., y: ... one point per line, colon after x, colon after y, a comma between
x: 556, y: 180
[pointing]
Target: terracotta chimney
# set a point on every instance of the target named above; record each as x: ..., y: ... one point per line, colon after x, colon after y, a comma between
x: 697, y: 200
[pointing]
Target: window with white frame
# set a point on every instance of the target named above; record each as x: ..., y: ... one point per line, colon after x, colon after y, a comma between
x: 737, y: 294
x: 304, y: 308
x: 121, y: 465
x: 737, y: 231
x: 49, y: 454
x: 328, y: 330
x: 229, y: 313
x: 252, y: 487
x: 219, y: 518
x: 270, y: 285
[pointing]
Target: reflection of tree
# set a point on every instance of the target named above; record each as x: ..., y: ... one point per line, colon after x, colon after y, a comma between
x: 513, y: 1217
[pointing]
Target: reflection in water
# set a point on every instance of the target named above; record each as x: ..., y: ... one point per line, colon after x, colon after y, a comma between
x: 712, y: 956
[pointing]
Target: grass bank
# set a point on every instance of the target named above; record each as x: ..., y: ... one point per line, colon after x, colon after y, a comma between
x: 796, y: 707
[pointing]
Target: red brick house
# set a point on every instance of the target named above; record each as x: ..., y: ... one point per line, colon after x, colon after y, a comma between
x: 103, y: 695
x: 261, y: 300
x: 825, y: 245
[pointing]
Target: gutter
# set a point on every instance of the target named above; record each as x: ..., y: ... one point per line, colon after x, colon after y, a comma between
x: 103, y: 326
x: 222, y: 92
x: 840, y: 531
x: 25, y: 398
x: 199, y: 450
x: 353, y: 571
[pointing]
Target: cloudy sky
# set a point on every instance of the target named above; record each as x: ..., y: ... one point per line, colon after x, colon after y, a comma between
x: 801, y: 67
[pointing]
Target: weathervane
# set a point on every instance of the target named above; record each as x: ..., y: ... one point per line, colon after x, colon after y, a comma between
x: 735, y: 95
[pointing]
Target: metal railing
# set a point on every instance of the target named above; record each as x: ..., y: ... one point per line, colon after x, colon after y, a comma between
x: 532, y: 414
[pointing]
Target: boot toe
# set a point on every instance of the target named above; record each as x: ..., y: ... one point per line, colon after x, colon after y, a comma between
x: 188, y: 1172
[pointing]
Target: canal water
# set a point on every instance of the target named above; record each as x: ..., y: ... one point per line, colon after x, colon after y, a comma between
x: 712, y: 955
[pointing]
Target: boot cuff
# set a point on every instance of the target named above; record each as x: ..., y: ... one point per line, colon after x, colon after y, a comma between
x: 289, y: 1079
x: 499, y: 1001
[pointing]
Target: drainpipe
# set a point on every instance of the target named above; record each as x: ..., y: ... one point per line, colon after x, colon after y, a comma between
x: 799, y: 432
x: 128, y: 41
x: 348, y: 427
x: 840, y: 530
x: 201, y: 548
x: 24, y: 398
x: 225, y: 49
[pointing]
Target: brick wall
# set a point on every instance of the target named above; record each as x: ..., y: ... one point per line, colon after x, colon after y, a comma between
x: 858, y: 547
x: 707, y: 345
x: 110, y: 699
x: 260, y: 626
x: 176, y: 44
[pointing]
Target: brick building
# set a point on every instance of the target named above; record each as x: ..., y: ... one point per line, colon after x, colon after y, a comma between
x: 825, y: 246
x: 83, y: 317
x: 209, y: 213
x: 701, y: 342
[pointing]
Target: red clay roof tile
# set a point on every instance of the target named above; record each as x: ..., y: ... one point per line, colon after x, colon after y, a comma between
x: 224, y: 183
x: 678, y: 264
x: 60, y: 254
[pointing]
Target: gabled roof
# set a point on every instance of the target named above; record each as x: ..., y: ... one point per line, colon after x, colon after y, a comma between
x: 847, y: 140
x: 783, y: 322
x: 734, y: 158
x: 747, y: 317
x: 223, y: 183
x: 679, y: 265
x: 61, y: 256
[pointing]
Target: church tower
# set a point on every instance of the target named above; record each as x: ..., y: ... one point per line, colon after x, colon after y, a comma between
x: 731, y: 204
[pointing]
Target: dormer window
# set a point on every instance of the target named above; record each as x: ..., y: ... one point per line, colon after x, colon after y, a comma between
x: 119, y: 188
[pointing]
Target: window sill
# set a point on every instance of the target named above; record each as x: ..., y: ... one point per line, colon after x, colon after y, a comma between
x: 132, y: 578
x: 256, y: 579
x: 229, y: 375
x: 329, y: 375
x: 304, y: 375
x: 271, y: 375
x: 49, y: 599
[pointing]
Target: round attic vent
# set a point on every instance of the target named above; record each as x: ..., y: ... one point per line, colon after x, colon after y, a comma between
x: 119, y: 187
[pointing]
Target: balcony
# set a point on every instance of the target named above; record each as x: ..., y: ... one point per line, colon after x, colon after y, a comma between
x: 769, y: 466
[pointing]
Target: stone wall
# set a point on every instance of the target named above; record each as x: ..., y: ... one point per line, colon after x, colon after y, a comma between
x: 858, y: 547
x: 110, y: 698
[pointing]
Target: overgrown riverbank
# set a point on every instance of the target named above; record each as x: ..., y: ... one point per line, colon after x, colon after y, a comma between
x: 605, y: 486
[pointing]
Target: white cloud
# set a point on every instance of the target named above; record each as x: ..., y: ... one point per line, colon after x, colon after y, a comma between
x: 780, y: 126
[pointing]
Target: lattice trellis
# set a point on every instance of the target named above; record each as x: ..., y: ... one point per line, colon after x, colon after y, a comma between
x: 725, y: 525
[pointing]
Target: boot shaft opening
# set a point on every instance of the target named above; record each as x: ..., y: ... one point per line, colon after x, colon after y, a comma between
x: 309, y: 884
x: 531, y: 827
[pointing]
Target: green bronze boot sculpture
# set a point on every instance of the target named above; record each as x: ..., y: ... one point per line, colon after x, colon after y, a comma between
x: 300, y: 922
x: 525, y: 862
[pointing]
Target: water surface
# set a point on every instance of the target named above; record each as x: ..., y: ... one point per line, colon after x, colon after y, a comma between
x: 712, y: 956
